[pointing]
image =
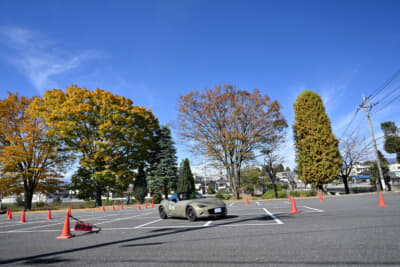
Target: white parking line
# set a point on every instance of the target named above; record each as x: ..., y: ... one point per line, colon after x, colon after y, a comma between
x: 273, y: 216
x: 140, y: 226
x: 231, y: 205
x: 258, y: 203
x: 35, y: 227
x: 313, y: 209
x: 207, y: 223
x: 247, y: 224
x: 172, y: 227
x: 120, y: 219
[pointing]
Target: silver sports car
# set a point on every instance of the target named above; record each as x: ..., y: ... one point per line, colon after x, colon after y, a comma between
x: 192, y: 205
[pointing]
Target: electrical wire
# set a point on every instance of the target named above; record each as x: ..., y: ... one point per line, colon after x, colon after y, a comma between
x: 350, y: 122
x: 387, y: 104
x: 384, y: 85
x: 387, y: 95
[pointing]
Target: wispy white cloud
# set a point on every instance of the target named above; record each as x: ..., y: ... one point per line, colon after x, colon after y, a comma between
x: 38, y: 58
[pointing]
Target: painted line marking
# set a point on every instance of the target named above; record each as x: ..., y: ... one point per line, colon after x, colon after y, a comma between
x: 313, y: 209
x: 208, y: 223
x: 231, y: 205
x: 258, y: 203
x: 273, y: 216
x: 120, y: 219
x: 248, y: 224
x: 140, y: 226
x: 36, y: 227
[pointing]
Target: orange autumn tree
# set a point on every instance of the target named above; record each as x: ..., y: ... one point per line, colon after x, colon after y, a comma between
x: 229, y: 125
x: 31, y: 161
x: 111, y: 137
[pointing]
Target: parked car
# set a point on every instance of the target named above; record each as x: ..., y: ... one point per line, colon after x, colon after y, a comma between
x: 192, y: 205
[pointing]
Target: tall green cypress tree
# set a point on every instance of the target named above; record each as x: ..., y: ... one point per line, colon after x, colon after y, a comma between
x: 185, y: 177
x: 162, y: 172
x: 317, y: 153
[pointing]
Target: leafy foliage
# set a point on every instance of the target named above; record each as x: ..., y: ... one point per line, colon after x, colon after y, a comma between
x: 228, y: 125
x: 392, y: 138
x: 162, y: 172
x: 375, y: 178
x: 110, y: 135
x: 317, y: 154
x: 185, y: 177
x: 210, y: 190
x: 30, y: 159
x: 157, y: 198
x: 251, y: 179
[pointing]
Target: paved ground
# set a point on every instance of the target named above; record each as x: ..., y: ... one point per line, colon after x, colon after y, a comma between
x: 346, y: 231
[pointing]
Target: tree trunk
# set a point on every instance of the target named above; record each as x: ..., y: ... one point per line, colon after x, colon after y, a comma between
x: 275, y: 188
x: 28, y: 195
x: 98, y: 196
x: 165, y: 192
x: 346, y: 184
x: 379, y: 182
x: 238, y: 181
x: 320, y: 188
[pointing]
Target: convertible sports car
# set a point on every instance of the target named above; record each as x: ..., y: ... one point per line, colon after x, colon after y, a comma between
x: 192, y: 205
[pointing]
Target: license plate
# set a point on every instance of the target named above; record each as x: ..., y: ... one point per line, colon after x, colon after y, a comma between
x: 217, y: 210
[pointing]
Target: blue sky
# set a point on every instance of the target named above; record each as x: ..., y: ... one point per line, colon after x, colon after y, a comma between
x: 155, y: 51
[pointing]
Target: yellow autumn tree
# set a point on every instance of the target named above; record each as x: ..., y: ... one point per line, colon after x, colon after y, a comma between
x: 31, y: 161
x: 110, y: 136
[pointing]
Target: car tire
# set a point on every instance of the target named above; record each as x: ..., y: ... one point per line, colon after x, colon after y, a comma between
x: 163, y: 214
x: 191, y: 214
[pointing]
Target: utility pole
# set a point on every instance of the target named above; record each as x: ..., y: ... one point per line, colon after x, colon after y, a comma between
x: 374, y: 143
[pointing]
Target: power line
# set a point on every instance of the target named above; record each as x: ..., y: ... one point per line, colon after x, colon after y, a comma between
x: 350, y: 122
x: 387, y: 104
x: 384, y: 85
x: 387, y: 95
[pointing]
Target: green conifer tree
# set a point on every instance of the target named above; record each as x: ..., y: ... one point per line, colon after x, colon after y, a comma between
x: 162, y: 172
x: 140, y: 185
x: 185, y: 177
x: 317, y: 154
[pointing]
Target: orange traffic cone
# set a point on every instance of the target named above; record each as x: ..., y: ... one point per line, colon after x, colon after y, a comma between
x: 22, y: 217
x: 122, y: 206
x: 69, y: 211
x: 10, y: 214
x: 152, y: 204
x: 301, y: 195
x: 289, y: 199
x: 66, y: 233
x: 49, y: 215
x: 294, y: 209
x: 320, y: 197
x: 103, y: 209
x: 381, y: 202
x: 113, y: 208
x: 145, y: 205
x: 138, y: 206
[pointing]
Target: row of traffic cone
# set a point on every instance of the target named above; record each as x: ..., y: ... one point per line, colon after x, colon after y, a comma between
x: 23, y: 217
x: 294, y: 208
x: 122, y: 206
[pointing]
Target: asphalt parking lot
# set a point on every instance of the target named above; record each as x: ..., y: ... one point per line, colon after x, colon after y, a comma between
x: 346, y: 231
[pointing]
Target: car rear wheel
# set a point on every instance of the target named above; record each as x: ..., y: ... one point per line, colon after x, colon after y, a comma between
x: 163, y: 214
x: 190, y: 214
